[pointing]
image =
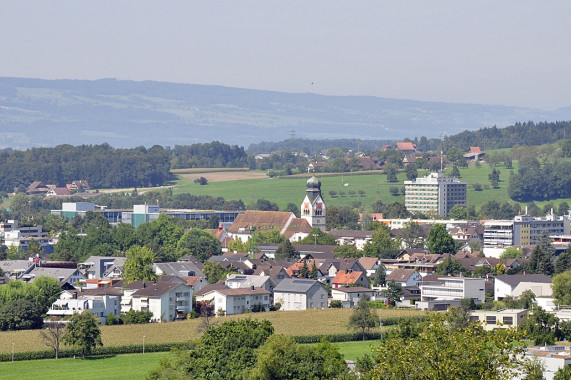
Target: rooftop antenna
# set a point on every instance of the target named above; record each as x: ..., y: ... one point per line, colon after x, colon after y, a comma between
x: 441, y: 160
x: 292, y: 133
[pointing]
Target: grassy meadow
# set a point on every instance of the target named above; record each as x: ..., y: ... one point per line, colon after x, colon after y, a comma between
x: 291, y: 189
x: 307, y: 322
x: 118, y: 367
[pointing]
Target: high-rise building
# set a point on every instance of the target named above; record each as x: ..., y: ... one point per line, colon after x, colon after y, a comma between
x: 435, y: 192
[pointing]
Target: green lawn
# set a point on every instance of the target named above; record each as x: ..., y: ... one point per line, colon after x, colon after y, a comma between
x: 128, y: 366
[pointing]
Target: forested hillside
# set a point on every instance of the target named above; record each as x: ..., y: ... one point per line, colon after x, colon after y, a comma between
x: 106, y: 167
x: 102, y: 165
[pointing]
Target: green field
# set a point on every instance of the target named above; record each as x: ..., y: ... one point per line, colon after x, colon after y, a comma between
x: 291, y: 189
x: 131, y: 366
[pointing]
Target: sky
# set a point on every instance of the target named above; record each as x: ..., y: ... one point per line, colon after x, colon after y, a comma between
x: 514, y: 53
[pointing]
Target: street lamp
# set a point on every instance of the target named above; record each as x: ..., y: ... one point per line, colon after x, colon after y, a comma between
x: 143, y: 344
x: 315, y: 238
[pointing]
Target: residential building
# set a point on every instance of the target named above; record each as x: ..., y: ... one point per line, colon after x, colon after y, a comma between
x: 350, y: 295
x: 406, y: 147
x: 300, y: 294
x: 350, y: 278
x: 521, y: 231
x: 187, y: 268
x: 99, y: 301
x: 97, y: 266
x: 436, y: 193
x: 69, y: 275
x: 253, y: 220
x: 505, y: 284
x: 237, y: 281
x: 404, y: 277
x: 551, y: 357
x: 449, y: 291
x: 356, y: 238
x: 498, y: 319
x: 231, y: 301
x: 474, y: 155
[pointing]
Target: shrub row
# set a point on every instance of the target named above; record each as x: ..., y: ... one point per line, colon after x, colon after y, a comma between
x: 105, y: 350
x: 350, y: 337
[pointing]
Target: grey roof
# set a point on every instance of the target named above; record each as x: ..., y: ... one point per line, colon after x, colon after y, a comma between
x: 11, y: 265
x: 157, y: 289
x: 514, y: 280
x: 357, y: 234
x: 295, y: 285
x: 57, y: 273
x: 247, y: 281
x: 179, y: 268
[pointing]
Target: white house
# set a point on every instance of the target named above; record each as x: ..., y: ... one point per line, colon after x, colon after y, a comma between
x: 404, y: 277
x: 166, y: 300
x: 552, y: 358
x: 449, y: 291
x: 504, y: 284
x: 349, y: 296
x: 69, y: 275
x: 235, y: 281
x: 99, y: 301
x: 300, y: 294
x: 237, y: 300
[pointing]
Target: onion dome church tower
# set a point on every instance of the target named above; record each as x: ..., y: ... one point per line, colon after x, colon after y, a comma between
x: 313, y: 206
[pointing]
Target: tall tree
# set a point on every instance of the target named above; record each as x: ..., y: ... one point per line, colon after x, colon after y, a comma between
x: 381, y: 244
x: 541, y: 260
x: 562, y: 287
x: 393, y: 292
x: 412, y: 235
x: 82, y: 331
x: 380, y: 276
x: 563, y: 261
x: 200, y: 244
x: 362, y: 317
x: 139, y: 265
x: 52, y: 334
x: 439, y: 240
x: 316, y: 236
x: 286, y: 251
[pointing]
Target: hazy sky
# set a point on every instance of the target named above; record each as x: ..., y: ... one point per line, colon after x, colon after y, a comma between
x: 490, y: 52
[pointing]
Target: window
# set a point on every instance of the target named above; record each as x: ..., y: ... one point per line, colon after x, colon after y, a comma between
x: 508, y: 321
x: 491, y: 319
x: 474, y: 318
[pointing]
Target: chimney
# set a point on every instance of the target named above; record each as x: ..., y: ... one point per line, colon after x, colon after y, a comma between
x: 252, y: 287
x: 144, y: 285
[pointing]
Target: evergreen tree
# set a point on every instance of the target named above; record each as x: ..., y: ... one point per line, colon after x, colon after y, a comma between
x: 455, y: 171
x: 380, y: 276
x: 541, y: 256
x: 286, y: 251
x: 563, y: 261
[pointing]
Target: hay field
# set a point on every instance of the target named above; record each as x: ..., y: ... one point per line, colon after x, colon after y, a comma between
x: 307, y: 322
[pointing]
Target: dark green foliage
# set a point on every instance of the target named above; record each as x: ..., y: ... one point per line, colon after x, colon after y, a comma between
x: 133, y: 317
x: 528, y: 183
x: 455, y: 171
x: 316, y: 236
x: 563, y: 261
x: 380, y: 276
x: 412, y: 235
x: 208, y: 155
x: 286, y: 251
x: 20, y: 315
x: 347, y: 251
x: 439, y: 240
x: 451, y: 266
x: 42, y: 293
x: 393, y: 292
x: 82, y: 331
x: 362, y: 317
x: 224, y: 352
x: 282, y: 358
x: 542, y: 256
x: 336, y: 304
x: 102, y: 165
x: 215, y: 272
x: 381, y: 244
x: 342, y: 218
x: 541, y: 327
x: 200, y: 244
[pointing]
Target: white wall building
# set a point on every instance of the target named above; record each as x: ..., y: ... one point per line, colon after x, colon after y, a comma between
x: 435, y: 192
x: 300, y: 294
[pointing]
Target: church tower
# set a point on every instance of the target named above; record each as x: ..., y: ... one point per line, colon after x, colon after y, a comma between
x: 313, y: 206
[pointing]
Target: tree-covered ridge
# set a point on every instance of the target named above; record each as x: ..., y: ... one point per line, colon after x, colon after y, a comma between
x: 529, y: 133
x: 102, y: 165
x: 106, y: 167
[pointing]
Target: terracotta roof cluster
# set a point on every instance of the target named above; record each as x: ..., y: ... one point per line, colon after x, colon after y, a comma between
x: 406, y: 146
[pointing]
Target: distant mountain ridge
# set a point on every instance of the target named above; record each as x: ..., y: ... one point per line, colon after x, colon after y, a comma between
x: 37, y: 112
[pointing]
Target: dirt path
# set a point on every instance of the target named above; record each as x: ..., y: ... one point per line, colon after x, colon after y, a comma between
x: 225, y: 176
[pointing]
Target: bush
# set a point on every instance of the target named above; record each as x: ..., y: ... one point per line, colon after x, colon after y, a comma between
x: 336, y: 304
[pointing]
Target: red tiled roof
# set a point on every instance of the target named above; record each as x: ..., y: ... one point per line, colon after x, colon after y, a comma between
x: 297, y: 267
x: 297, y: 225
x: 350, y: 277
x: 406, y: 145
x: 475, y: 149
x: 262, y: 220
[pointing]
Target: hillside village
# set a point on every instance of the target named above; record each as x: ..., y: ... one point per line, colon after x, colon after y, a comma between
x: 312, y: 268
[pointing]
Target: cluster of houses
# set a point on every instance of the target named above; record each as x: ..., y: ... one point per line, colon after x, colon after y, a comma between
x: 78, y: 188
